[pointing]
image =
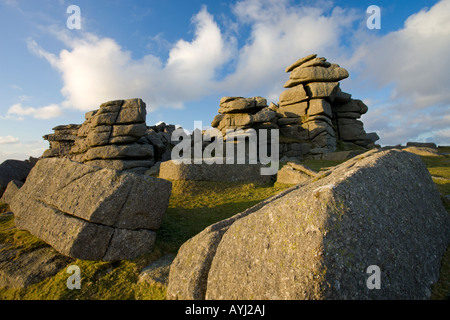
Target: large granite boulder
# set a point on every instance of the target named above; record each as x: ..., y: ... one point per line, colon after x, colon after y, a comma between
x: 11, y: 190
x: 321, y: 239
x: 13, y: 170
x: 294, y: 173
x: 22, y: 270
x: 89, y: 212
x: 176, y: 170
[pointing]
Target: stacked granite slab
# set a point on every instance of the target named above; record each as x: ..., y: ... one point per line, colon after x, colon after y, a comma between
x: 115, y: 136
x: 108, y: 138
x: 244, y: 113
x: 305, y: 112
x: 314, y: 113
x: 237, y: 115
x: 91, y: 213
x: 62, y: 140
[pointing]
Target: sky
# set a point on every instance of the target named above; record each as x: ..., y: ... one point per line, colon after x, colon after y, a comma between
x: 181, y: 57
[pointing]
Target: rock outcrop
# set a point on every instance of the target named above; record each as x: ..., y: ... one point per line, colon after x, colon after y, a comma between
x: 313, y: 114
x: 11, y: 190
x: 244, y: 113
x: 318, y: 240
x: 314, y: 111
x: 91, y: 213
x: 115, y: 136
x: 176, y: 170
x: 295, y: 173
x: 61, y: 141
x: 30, y: 267
x: 14, y: 170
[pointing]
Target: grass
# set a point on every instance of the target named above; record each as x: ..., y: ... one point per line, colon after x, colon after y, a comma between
x: 193, y: 206
x: 439, y: 168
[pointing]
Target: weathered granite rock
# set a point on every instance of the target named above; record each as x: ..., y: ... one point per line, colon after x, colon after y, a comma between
x: 294, y: 173
x: 351, y: 129
x: 115, y: 122
x: 300, y: 61
x: 189, y: 270
x: 30, y: 267
x: 121, y: 165
x: 313, y: 84
x: 295, y: 110
x: 13, y: 170
x: 319, y: 106
x: 422, y: 144
x: 11, y: 190
x: 241, y: 105
x: 316, y: 62
x: 91, y: 213
x: 157, y: 272
x: 326, y: 90
x: 235, y: 120
x: 421, y: 151
x: 293, y: 95
x: 134, y: 151
x: 175, y: 170
x: 61, y: 141
x: 341, y: 155
x: 316, y: 241
x: 352, y: 105
x: 316, y: 74
x: 265, y: 115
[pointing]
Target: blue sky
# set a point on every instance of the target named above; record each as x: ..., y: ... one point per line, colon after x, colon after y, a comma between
x: 181, y: 57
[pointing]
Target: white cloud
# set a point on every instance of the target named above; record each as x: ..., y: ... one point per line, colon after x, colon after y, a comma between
x: 95, y: 70
x: 413, y: 62
x: 16, y: 87
x: 48, y: 112
x: 280, y: 34
x: 8, y: 140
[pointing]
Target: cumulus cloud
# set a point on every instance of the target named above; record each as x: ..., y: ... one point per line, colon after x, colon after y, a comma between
x: 8, y: 140
x: 411, y: 62
x: 414, y: 57
x: 281, y: 33
x: 18, y: 111
x: 96, y: 69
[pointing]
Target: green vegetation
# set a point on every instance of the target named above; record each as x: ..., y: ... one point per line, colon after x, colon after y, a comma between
x: 439, y: 168
x: 193, y: 206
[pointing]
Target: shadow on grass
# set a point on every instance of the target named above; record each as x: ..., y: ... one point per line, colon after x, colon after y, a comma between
x: 179, y: 225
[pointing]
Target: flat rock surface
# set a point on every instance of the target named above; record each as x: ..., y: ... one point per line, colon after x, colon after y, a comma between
x: 158, y: 271
x: 30, y: 267
x: 91, y: 213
